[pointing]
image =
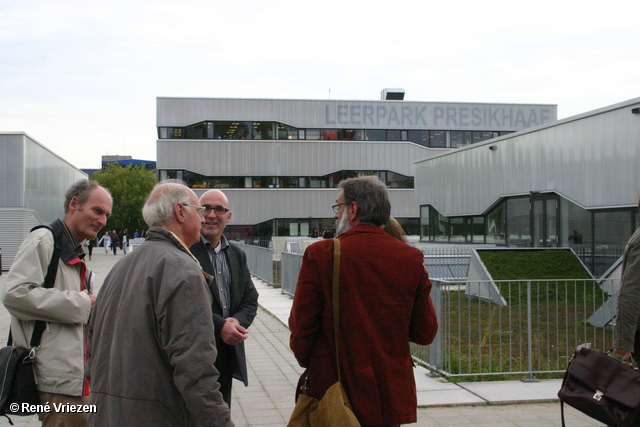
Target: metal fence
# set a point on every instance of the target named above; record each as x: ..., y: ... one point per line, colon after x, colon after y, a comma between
x: 491, y: 329
x: 530, y: 329
x: 290, y: 268
x: 260, y: 262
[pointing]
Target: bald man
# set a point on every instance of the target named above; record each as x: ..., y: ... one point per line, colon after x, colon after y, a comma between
x: 235, y: 299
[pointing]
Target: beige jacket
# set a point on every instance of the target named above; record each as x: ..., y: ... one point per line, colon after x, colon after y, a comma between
x: 59, y: 360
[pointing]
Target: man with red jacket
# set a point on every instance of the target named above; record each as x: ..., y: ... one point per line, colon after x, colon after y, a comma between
x: 384, y: 304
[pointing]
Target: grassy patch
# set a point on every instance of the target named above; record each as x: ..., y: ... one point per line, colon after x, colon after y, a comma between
x: 524, y: 264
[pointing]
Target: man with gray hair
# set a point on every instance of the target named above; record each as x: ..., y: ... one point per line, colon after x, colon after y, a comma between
x: 65, y: 307
x: 152, y: 344
x: 384, y: 304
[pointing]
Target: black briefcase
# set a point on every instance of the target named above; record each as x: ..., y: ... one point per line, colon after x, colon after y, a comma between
x: 602, y: 387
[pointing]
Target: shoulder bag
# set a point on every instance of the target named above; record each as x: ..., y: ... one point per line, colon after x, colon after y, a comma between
x: 601, y: 387
x: 334, y: 409
x: 18, y: 389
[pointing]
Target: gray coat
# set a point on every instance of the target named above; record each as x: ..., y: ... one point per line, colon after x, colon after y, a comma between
x: 629, y: 299
x: 152, y: 343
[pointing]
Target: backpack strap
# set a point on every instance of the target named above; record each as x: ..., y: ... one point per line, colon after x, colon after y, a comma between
x: 49, y: 281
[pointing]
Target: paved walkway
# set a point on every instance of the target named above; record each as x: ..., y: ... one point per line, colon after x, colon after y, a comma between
x: 274, y: 372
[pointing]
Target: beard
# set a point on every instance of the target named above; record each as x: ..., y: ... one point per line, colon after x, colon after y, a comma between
x: 342, y: 224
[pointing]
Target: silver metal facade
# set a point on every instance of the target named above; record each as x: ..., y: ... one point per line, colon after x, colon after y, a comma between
x: 255, y: 205
x: 325, y: 114
x: 33, y: 182
x: 288, y: 157
x: 592, y: 159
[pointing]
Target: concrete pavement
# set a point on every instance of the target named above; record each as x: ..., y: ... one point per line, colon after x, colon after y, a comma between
x: 273, y: 375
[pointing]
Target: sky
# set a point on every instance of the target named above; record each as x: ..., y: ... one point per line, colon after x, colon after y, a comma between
x: 82, y: 78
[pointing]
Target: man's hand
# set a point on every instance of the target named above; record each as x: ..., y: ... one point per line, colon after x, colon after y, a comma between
x: 232, y: 332
x: 92, y: 297
x: 624, y: 353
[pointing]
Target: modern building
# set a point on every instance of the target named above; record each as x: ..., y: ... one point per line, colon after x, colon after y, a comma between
x: 571, y: 183
x: 280, y: 160
x: 33, y: 183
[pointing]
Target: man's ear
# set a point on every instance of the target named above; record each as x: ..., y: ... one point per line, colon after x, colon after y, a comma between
x: 352, y: 211
x: 178, y: 212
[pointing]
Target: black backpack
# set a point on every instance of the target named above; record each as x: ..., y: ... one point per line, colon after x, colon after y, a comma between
x: 18, y: 390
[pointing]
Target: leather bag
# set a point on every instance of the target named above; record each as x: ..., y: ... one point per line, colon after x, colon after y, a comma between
x: 334, y: 409
x: 601, y: 387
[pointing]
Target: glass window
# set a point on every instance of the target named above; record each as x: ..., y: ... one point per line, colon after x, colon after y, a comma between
x: 375, y: 135
x: 330, y: 134
x: 496, y: 225
x: 481, y: 136
x: 197, y: 131
x: 438, y: 226
x: 396, y: 180
x: 518, y: 229
x: 460, y: 138
x: 419, y: 137
x: 301, y: 134
x: 477, y: 229
x: 424, y: 223
x: 353, y: 134
x: 458, y: 229
x: 231, y: 130
x: 313, y: 134
x: 263, y: 130
x: 612, y: 230
x: 438, y: 139
x: 394, y: 135
x: 287, y: 132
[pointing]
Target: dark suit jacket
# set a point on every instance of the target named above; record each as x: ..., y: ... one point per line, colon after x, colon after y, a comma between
x: 384, y: 304
x: 244, y: 300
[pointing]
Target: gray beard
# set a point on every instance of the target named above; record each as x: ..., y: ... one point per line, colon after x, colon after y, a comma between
x: 342, y: 224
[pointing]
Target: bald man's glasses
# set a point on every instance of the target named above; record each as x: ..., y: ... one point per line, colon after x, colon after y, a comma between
x: 219, y: 210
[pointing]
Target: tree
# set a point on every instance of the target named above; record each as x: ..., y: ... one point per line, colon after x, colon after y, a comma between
x: 129, y: 187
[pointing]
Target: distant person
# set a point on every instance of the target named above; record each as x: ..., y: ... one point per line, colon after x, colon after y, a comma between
x: 627, y: 330
x: 106, y: 241
x: 115, y: 241
x: 327, y: 233
x: 235, y: 299
x: 136, y: 234
x: 66, y: 308
x: 92, y: 244
x: 314, y: 233
x: 152, y: 342
x: 385, y: 304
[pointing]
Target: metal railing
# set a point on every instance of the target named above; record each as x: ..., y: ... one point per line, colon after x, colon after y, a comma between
x: 506, y: 328
x: 492, y: 329
x: 290, y: 268
x: 260, y: 262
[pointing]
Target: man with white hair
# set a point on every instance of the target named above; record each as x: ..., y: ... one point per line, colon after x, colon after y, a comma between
x: 152, y: 344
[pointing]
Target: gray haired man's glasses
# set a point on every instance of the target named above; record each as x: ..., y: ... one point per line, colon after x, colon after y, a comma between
x: 336, y: 208
x: 200, y: 209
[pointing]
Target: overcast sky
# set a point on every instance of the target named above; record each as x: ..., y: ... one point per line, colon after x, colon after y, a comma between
x: 82, y: 77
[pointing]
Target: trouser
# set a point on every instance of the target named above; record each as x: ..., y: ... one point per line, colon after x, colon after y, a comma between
x: 63, y: 418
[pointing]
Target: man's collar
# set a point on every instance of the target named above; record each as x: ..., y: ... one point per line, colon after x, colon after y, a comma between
x: 77, y: 248
x: 223, y: 244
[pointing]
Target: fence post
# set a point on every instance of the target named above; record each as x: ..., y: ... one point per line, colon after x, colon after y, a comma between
x: 435, y: 348
x: 529, y: 337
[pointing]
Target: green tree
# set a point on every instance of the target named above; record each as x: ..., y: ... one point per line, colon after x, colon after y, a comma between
x: 129, y: 187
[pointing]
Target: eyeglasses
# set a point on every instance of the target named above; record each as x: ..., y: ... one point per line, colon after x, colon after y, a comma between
x: 219, y: 210
x: 200, y: 209
x: 336, y: 208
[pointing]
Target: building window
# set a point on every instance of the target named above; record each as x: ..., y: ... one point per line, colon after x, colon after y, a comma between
x: 419, y: 137
x: 518, y: 227
x: 460, y: 138
x: 438, y: 139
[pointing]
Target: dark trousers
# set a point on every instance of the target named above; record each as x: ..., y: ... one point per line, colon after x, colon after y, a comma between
x: 224, y: 365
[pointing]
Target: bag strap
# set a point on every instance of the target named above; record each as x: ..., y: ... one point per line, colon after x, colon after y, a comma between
x: 336, y: 301
x: 49, y: 281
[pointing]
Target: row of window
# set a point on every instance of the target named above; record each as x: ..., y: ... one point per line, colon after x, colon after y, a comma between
x: 276, y: 131
x: 598, y: 237
x: 194, y: 180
